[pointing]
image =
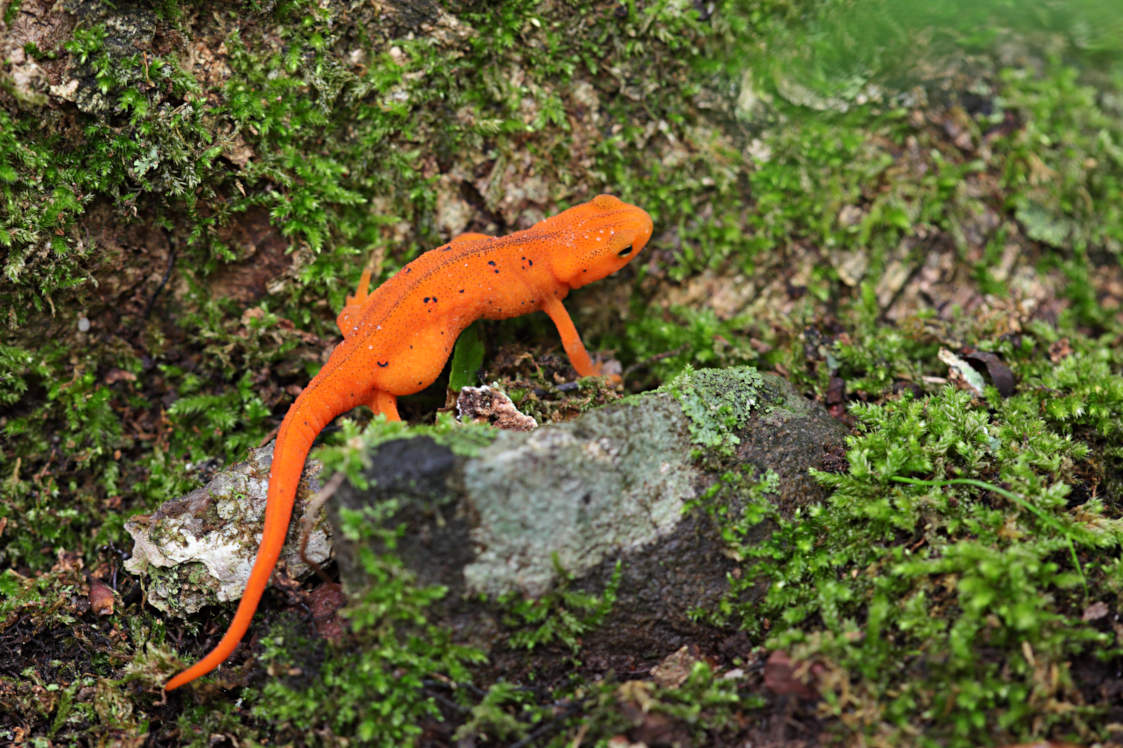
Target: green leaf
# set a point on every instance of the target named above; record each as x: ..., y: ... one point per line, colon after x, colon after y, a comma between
x: 467, y: 359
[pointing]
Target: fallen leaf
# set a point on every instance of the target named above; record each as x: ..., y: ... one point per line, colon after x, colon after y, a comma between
x: 101, y: 597
x: 675, y: 668
x: 1000, y: 374
x: 1095, y: 611
x: 326, y: 600
x: 781, y: 676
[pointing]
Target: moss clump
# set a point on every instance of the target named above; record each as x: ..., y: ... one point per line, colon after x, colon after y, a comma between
x: 560, y: 615
x: 944, y: 596
x: 717, y: 403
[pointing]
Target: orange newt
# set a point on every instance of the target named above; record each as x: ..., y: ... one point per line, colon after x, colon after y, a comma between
x: 397, y: 339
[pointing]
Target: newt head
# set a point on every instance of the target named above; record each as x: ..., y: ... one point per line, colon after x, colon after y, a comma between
x: 601, y: 236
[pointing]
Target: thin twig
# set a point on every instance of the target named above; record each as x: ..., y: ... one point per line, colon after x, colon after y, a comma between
x: 308, y: 519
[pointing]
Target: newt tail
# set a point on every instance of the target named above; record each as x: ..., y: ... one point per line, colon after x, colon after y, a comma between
x: 303, y: 422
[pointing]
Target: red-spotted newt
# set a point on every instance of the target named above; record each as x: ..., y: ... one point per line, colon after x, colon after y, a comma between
x: 397, y: 339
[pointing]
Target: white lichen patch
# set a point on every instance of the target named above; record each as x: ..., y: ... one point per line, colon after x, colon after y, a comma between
x: 199, y: 549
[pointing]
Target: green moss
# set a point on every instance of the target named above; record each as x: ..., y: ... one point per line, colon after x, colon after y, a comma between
x: 375, y: 688
x: 237, y: 414
x: 667, y: 342
x: 702, y: 709
x: 18, y: 593
x: 705, y: 704
x: 143, y: 131
x: 1063, y: 174
x: 754, y: 497
x: 934, y: 592
x: 199, y: 723
x: 75, y: 419
x: 506, y: 712
x: 11, y: 11
x: 1054, y: 193
x: 717, y: 403
x: 874, y: 357
x: 63, y: 695
x: 560, y: 615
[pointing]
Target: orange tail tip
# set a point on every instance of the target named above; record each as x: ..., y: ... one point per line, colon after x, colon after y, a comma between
x: 255, y: 587
x: 289, y: 453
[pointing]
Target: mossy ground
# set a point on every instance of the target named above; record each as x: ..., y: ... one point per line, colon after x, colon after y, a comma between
x: 840, y: 190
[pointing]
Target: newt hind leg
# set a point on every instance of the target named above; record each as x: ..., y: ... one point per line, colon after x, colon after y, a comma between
x: 385, y: 403
x: 348, y: 319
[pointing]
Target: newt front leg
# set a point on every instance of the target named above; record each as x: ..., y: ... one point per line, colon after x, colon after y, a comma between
x: 571, y: 341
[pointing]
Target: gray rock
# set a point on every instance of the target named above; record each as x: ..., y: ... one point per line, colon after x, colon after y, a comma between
x: 610, y: 499
x: 563, y: 504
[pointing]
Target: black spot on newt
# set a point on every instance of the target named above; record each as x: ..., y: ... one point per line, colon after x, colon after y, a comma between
x: 383, y: 364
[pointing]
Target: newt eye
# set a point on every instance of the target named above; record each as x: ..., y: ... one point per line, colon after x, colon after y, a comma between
x: 625, y: 251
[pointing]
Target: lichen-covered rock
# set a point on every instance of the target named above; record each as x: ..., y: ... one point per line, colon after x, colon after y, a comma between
x: 199, y: 549
x: 615, y: 485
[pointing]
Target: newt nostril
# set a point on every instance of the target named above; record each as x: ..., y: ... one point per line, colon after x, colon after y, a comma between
x: 625, y: 251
